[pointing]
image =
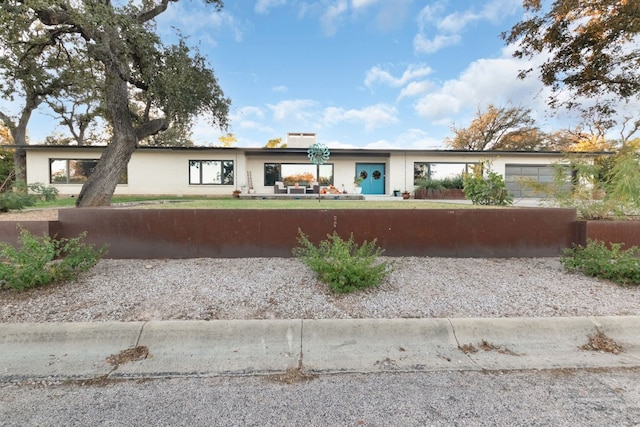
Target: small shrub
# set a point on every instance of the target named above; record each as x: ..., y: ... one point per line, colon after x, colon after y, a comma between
x: 486, y: 187
x: 43, y: 260
x: 342, y: 264
x: 430, y: 184
x: 454, y: 182
x: 23, y: 195
x: 597, y: 260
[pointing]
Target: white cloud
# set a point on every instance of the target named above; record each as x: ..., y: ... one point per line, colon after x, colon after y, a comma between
x: 333, y: 13
x: 451, y: 26
x: 246, y: 112
x: 292, y: 109
x: 421, y: 44
x: 413, y: 72
x: 414, y: 89
x: 339, y: 144
x: 199, y: 22
x: 357, y: 4
x: 263, y: 6
x: 371, y: 117
x: 280, y: 88
x: 429, y: 14
x: 483, y: 82
x: 416, y: 138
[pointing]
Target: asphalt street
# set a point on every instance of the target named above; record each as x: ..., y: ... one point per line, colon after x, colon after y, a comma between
x: 562, y: 397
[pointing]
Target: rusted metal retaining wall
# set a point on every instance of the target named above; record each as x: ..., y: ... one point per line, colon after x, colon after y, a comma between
x: 193, y: 233
x: 625, y: 232
x: 10, y: 230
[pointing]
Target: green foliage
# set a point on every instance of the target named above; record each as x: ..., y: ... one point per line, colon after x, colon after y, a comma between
x: 485, y: 187
x: 453, y: 182
x: 6, y: 168
x: 597, y: 260
x: 623, y: 181
x: 24, y: 195
x: 342, y: 264
x: 589, y: 50
x: 43, y: 260
x: 440, y: 184
x: 605, y: 188
x: 429, y: 184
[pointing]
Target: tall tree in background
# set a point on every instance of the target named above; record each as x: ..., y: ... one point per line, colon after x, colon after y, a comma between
x: 31, y: 69
x: 593, y: 50
x: 228, y: 140
x: 504, y: 128
x: 173, y: 83
x: 275, y: 143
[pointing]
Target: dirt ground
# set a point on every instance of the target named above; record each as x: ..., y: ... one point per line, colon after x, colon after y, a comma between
x: 50, y: 214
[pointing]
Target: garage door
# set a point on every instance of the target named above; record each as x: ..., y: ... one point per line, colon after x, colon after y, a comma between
x: 516, y: 174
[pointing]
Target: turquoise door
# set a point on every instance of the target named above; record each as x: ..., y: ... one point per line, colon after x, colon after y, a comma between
x: 373, y: 177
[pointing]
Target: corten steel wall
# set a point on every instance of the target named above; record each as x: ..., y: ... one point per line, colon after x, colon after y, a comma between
x: 187, y: 233
x: 625, y: 232
x: 10, y: 230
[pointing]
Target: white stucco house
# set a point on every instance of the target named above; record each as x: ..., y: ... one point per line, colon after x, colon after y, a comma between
x: 176, y: 171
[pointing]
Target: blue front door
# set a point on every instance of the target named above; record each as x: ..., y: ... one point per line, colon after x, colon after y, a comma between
x: 373, y: 177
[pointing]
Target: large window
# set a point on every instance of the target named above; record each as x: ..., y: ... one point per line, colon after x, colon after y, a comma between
x: 301, y: 173
x: 74, y: 171
x: 211, y: 172
x: 424, y: 170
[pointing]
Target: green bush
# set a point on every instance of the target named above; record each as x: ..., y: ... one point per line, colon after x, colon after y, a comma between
x: 486, y: 187
x: 430, y: 184
x: 23, y: 195
x: 598, y: 260
x: 454, y: 182
x: 342, y: 264
x: 43, y: 260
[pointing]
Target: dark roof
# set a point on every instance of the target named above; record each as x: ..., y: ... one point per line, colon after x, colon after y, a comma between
x: 288, y: 151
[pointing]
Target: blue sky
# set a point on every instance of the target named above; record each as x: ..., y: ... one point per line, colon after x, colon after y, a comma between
x: 358, y: 73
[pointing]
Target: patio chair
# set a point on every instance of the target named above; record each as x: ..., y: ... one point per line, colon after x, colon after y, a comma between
x: 279, y: 188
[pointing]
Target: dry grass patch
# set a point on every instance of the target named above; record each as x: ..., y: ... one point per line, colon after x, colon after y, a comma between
x: 601, y: 342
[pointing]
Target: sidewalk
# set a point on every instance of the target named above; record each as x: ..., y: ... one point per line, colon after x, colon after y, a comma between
x: 258, y: 347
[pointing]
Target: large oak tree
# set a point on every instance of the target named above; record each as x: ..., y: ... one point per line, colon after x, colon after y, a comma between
x: 592, y: 50
x: 497, y: 128
x: 145, y: 86
x: 32, y: 68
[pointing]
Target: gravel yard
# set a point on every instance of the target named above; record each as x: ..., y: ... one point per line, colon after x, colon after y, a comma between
x: 278, y: 288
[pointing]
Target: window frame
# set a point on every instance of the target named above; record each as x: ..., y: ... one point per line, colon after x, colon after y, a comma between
x: 68, y: 176
x: 224, y: 178
x: 269, y: 179
x: 429, y: 173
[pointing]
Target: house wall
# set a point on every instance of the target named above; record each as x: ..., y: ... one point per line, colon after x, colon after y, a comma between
x: 343, y: 168
x: 166, y: 171
x: 403, y: 178
x: 162, y: 172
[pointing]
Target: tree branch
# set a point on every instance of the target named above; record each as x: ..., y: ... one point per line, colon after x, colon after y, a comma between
x: 152, y: 13
x: 151, y: 127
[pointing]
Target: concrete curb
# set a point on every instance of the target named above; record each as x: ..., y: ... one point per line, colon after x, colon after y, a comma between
x: 259, y: 347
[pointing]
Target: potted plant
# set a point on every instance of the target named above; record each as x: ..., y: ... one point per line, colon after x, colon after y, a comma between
x: 357, y: 180
x: 236, y: 193
x: 406, y: 195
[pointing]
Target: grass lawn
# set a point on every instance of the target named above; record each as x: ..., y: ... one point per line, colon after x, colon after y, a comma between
x: 232, y: 203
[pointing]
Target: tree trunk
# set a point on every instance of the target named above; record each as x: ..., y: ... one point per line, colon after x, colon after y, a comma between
x: 19, y: 134
x: 20, y: 164
x: 101, y: 184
